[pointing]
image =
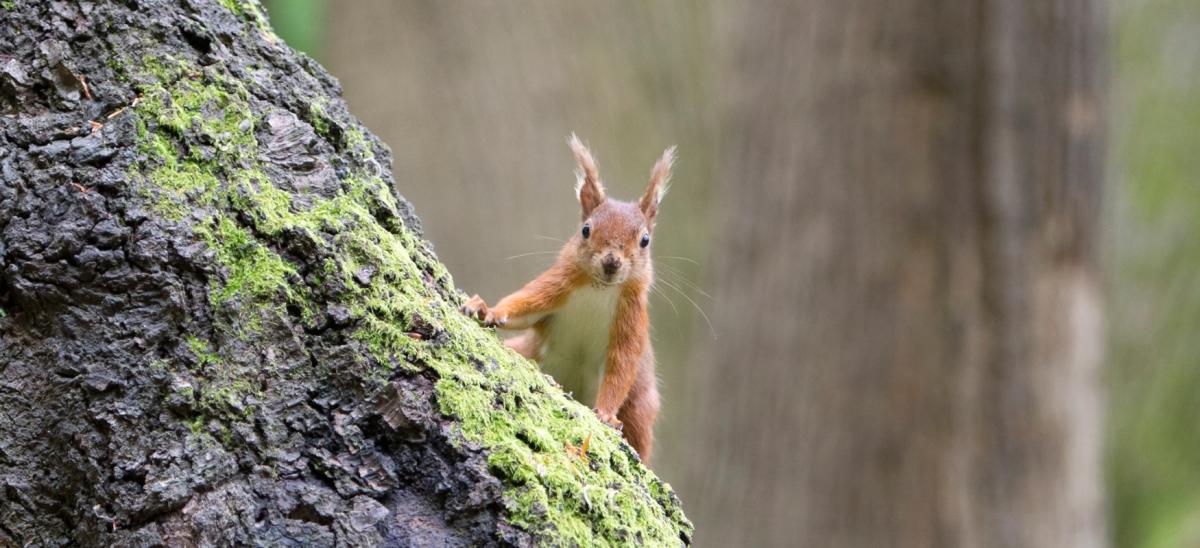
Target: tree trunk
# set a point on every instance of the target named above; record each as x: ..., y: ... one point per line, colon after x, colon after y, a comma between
x: 219, y: 324
x: 908, y: 291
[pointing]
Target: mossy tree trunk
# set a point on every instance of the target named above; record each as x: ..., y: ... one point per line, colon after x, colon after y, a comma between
x: 219, y: 323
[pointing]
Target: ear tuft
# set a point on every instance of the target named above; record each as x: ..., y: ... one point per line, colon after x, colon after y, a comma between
x: 588, y: 188
x: 660, y: 181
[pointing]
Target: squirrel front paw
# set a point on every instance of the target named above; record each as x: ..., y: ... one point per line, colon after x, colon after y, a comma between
x: 495, y: 318
x: 475, y: 308
x: 609, y: 419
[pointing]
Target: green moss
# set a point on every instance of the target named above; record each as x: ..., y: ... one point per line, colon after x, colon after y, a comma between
x: 157, y: 146
x: 182, y: 103
x: 254, y: 272
x: 213, y: 105
x: 253, y: 13
x: 230, y: 397
x: 318, y: 117
x: 273, y: 212
x: 186, y: 392
x: 181, y: 187
x: 550, y: 490
x: 225, y: 389
x: 9, y: 5
x: 202, y: 351
x: 232, y: 5
x: 356, y: 143
x: 196, y: 425
x: 159, y: 70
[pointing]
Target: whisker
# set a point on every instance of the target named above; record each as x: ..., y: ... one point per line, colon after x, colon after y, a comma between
x: 678, y: 258
x: 664, y: 295
x: 551, y: 238
x: 711, y: 329
x: 679, y: 277
x: 531, y: 253
x: 670, y: 267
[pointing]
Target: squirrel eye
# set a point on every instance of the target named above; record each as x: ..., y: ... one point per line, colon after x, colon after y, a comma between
x: 587, y: 231
x: 645, y: 240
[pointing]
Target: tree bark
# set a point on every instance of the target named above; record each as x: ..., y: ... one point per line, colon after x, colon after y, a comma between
x: 907, y: 290
x: 219, y: 324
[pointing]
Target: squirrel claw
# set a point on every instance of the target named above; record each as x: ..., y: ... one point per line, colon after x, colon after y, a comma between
x: 475, y: 308
x: 494, y: 320
x: 609, y: 419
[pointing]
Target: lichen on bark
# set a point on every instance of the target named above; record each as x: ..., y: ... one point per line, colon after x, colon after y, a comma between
x: 245, y: 336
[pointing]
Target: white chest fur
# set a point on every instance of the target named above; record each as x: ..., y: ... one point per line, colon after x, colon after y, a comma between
x: 577, y: 334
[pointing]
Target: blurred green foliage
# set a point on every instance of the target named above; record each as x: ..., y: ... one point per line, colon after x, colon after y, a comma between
x: 299, y: 23
x: 1154, y: 276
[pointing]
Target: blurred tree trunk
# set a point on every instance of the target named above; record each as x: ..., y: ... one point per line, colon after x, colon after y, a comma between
x: 907, y: 286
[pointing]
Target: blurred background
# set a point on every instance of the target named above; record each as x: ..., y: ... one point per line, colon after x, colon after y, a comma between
x: 929, y: 274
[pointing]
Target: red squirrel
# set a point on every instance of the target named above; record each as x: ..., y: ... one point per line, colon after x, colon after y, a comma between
x: 589, y: 308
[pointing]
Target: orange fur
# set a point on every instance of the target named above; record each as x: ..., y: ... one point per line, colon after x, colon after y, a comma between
x: 605, y: 256
x: 640, y: 409
x: 660, y: 179
x: 627, y: 340
x: 589, y: 188
x: 543, y: 294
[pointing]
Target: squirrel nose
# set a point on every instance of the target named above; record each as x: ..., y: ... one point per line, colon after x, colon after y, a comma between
x: 611, y: 264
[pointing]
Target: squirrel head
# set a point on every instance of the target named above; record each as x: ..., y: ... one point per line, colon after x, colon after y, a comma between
x: 613, y: 241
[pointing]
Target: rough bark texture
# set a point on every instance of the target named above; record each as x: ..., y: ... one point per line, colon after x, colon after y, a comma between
x: 219, y: 324
x: 908, y: 290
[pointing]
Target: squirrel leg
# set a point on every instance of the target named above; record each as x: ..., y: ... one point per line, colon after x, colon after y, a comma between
x: 639, y: 412
x: 527, y: 344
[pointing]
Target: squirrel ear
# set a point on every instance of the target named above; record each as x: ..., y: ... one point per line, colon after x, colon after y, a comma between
x: 587, y: 179
x: 660, y: 180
